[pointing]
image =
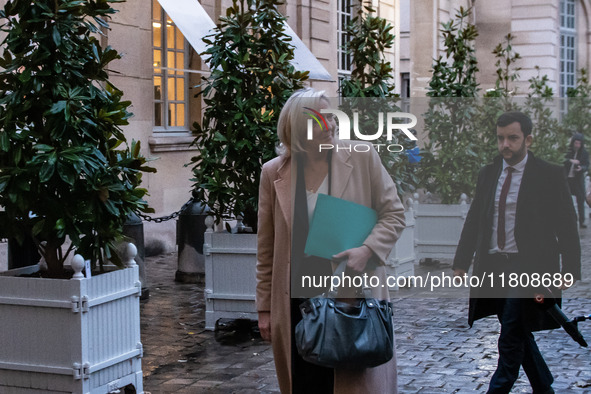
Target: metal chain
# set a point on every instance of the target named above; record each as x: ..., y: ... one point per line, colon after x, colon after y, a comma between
x: 161, y: 219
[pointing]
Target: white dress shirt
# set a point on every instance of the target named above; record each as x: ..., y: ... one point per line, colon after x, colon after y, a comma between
x: 510, y: 208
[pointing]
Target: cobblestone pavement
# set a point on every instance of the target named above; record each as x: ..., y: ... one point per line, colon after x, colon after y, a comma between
x: 437, y: 352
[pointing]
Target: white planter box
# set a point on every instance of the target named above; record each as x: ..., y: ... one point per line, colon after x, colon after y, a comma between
x: 3, y: 256
x: 70, y: 336
x: 438, y: 228
x: 230, y: 276
x: 402, y: 258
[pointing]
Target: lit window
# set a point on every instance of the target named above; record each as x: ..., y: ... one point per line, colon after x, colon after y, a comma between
x: 170, y: 55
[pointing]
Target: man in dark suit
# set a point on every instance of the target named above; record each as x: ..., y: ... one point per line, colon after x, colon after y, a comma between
x: 521, y: 221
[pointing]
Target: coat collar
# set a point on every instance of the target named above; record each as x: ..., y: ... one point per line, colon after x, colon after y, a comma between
x: 283, y: 189
x: 285, y: 181
x: 341, y: 171
x: 525, y: 188
x: 498, y: 164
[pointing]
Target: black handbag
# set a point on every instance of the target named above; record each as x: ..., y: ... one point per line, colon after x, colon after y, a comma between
x: 337, y: 334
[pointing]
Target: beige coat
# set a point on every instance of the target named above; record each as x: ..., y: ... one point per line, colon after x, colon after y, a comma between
x: 357, y: 177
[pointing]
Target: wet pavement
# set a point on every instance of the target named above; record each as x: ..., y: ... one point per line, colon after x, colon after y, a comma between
x: 437, y: 352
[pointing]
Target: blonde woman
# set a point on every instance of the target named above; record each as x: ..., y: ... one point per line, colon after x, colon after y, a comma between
x: 289, y: 186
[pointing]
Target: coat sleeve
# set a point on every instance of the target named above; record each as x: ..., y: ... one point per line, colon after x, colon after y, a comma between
x: 265, y: 242
x: 390, y: 210
x: 472, y: 226
x: 566, y: 163
x: 565, y: 220
x: 584, y: 162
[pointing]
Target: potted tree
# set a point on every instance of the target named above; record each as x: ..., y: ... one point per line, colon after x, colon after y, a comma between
x: 68, y: 179
x: 453, y: 126
x: 251, y: 78
x: 370, y: 91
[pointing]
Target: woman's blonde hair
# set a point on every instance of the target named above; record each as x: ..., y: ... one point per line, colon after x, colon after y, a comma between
x: 292, y: 124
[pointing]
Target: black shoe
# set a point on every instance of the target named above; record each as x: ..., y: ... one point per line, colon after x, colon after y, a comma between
x: 582, y: 225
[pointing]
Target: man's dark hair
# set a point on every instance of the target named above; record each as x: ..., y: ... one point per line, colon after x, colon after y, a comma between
x: 515, y: 116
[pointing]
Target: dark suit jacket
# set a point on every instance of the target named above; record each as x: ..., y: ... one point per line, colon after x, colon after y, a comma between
x: 545, y: 230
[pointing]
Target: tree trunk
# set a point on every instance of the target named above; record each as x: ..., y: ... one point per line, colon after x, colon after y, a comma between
x: 55, y: 267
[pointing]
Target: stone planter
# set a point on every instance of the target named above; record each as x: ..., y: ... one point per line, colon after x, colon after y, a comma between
x: 438, y: 228
x: 3, y: 256
x: 230, y: 276
x: 402, y: 258
x: 71, y: 336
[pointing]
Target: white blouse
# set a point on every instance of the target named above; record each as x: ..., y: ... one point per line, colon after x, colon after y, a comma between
x: 313, y: 197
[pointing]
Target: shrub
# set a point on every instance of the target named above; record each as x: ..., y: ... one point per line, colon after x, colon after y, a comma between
x: 65, y: 167
x: 251, y: 78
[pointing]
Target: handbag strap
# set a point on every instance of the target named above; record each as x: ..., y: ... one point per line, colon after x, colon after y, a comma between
x: 339, y: 273
x: 341, y: 268
x: 332, y: 293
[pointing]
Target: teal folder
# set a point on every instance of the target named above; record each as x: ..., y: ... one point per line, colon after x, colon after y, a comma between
x: 338, y: 225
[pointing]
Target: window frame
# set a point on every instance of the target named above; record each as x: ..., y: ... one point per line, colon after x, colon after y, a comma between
x: 165, y: 73
x: 344, y: 61
x: 568, y: 46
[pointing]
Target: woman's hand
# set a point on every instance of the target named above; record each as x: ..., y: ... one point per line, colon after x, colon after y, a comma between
x: 265, y: 325
x: 357, y: 257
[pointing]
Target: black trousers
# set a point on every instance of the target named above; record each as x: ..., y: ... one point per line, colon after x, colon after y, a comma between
x: 307, y: 378
x: 517, y: 345
x: 517, y: 348
x: 576, y: 189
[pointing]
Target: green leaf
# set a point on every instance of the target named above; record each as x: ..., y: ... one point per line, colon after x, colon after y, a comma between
x: 57, y: 38
x: 38, y: 227
x: 111, y: 207
x: 60, y: 224
x: 46, y: 172
x: 4, y: 180
x: 25, y: 76
x: 57, y: 107
x: 4, y: 141
x: 219, y: 137
x: 66, y: 174
x: 44, y: 148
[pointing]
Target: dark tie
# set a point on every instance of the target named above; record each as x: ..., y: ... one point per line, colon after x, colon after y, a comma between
x: 502, y: 205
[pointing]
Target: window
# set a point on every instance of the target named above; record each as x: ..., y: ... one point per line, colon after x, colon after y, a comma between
x: 567, y: 46
x: 405, y: 85
x: 171, y: 82
x: 405, y: 92
x: 344, y: 15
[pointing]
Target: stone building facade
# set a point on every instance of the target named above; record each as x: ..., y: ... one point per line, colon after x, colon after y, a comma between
x: 159, y: 68
x: 554, y: 35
